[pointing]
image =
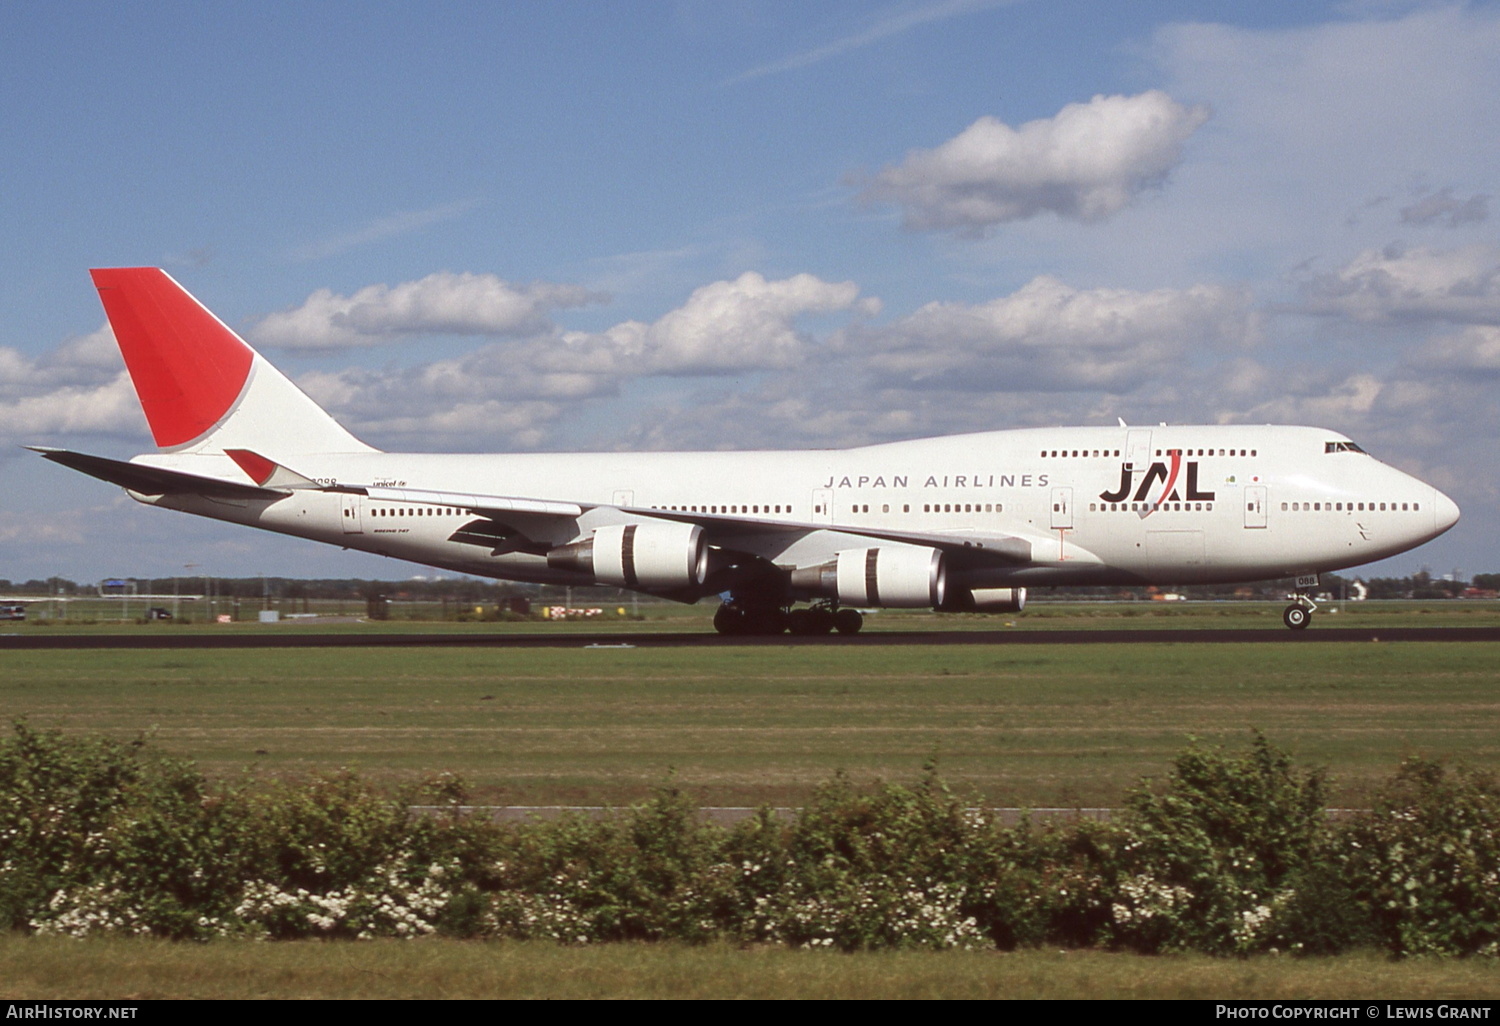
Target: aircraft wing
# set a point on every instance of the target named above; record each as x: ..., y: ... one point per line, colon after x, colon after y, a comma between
x: 983, y: 547
x: 147, y: 480
x: 510, y: 514
x: 720, y: 528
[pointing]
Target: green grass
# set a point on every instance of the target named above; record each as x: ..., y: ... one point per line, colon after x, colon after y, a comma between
x: 347, y: 617
x: 1039, y: 725
x: 138, y: 969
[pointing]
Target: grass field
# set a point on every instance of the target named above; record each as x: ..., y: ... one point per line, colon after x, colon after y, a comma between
x: 1040, y: 725
x: 1034, y: 726
x: 136, y: 969
x: 99, y: 617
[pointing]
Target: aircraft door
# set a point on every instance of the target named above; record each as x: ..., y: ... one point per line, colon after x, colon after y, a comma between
x: 1138, y: 452
x: 1062, y: 509
x: 1255, y: 506
x: 822, y: 506
x: 350, y: 515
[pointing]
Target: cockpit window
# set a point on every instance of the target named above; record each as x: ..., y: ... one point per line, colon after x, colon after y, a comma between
x: 1341, y: 447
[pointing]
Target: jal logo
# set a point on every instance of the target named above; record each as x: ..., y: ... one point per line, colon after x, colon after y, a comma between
x: 1165, y: 474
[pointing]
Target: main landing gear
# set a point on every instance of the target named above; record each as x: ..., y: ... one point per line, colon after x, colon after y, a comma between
x: 742, y: 619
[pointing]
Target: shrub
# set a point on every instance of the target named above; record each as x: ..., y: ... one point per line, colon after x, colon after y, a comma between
x: 1230, y: 854
x: 1425, y: 862
x: 1214, y: 854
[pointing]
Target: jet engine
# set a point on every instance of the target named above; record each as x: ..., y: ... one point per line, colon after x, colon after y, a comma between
x: 986, y: 600
x: 638, y: 555
x: 905, y: 577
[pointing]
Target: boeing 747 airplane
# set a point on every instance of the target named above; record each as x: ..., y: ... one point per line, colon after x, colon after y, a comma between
x: 964, y: 523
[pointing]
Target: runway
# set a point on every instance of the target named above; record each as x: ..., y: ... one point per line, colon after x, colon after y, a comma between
x: 274, y: 637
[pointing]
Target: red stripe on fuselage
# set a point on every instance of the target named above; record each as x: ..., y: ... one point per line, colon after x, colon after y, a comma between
x: 1172, y: 477
x: 188, y: 368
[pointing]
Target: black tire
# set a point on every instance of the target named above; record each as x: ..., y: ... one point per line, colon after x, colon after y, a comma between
x: 848, y: 621
x: 819, y: 621
x: 767, y: 621
x: 1296, y: 617
x: 730, y: 620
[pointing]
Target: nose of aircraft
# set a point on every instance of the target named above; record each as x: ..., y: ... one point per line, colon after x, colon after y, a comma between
x: 1445, y: 512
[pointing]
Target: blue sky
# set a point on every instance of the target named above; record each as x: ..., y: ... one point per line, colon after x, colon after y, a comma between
x: 490, y: 227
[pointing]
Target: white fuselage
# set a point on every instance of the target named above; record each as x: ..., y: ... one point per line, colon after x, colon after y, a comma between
x: 1162, y: 505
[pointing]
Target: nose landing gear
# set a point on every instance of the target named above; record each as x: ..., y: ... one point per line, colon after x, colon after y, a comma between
x: 1299, y: 614
x: 1297, y: 617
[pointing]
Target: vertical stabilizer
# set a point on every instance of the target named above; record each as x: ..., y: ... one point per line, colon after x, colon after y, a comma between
x: 202, y: 387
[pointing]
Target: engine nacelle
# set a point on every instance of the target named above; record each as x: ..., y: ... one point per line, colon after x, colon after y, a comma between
x: 986, y: 600
x: 894, y: 578
x: 662, y: 555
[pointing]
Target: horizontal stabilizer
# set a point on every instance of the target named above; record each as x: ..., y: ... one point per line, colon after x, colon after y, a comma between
x: 268, y: 473
x: 146, y: 480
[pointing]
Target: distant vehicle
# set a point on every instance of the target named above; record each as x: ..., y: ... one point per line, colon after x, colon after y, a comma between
x: 158, y: 613
x: 965, y: 523
x: 14, y: 612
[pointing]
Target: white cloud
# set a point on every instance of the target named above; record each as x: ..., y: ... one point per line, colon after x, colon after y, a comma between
x: 1049, y: 336
x: 441, y: 303
x: 1345, y: 402
x: 82, y: 360
x: 1473, y: 351
x: 749, y: 323
x: 78, y: 388
x: 727, y: 326
x: 1087, y: 162
x: 110, y: 408
x: 1420, y: 284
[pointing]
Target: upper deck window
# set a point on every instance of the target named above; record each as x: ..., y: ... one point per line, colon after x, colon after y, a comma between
x: 1341, y: 447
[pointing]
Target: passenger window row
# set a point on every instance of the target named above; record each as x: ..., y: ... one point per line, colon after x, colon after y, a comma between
x: 1350, y: 507
x: 1142, y: 507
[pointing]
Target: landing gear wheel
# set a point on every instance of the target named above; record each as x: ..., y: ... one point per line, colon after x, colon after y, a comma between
x: 739, y: 621
x: 729, y: 620
x: 1296, y: 617
x: 848, y: 621
x: 766, y: 621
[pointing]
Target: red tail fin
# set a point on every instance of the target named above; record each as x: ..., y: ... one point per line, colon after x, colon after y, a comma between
x: 203, y: 388
x: 187, y: 366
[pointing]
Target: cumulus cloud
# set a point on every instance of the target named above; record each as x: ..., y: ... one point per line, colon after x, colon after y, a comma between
x: 78, y: 388
x: 508, y: 391
x: 1445, y: 208
x: 110, y: 408
x: 745, y: 324
x: 1344, y: 402
x: 1049, y: 335
x: 1473, y: 351
x: 442, y: 303
x: 80, y: 361
x: 1087, y: 162
x: 1460, y: 285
